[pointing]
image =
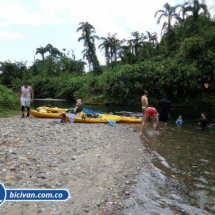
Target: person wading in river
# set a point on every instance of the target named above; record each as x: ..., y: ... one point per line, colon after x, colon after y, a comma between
x: 153, y: 114
x: 144, y: 102
x: 165, y: 108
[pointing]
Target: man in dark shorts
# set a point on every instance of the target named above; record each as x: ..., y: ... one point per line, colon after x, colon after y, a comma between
x: 165, y: 107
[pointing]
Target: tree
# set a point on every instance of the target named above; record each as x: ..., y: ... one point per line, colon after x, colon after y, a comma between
x: 54, y: 52
x: 106, y: 45
x: 42, y: 51
x: 169, y: 13
x: 12, y: 71
x: 182, y: 14
x: 152, y: 37
x: 112, y: 46
x: 136, y: 43
x: 89, y: 52
x: 135, y: 49
x: 196, y: 7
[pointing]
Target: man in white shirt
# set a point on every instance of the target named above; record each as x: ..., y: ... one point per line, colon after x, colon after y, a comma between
x: 26, y: 95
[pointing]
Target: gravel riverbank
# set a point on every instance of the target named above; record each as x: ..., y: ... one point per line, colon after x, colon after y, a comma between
x: 97, y: 163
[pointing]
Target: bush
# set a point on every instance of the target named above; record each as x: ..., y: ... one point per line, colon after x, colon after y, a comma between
x: 8, y: 99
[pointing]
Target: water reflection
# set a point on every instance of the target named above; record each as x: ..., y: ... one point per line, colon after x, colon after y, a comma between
x: 186, y: 154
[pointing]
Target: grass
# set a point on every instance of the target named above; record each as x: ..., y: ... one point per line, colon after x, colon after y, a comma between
x: 9, y: 113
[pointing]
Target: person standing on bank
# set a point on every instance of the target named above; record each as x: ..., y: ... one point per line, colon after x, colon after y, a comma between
x: 165, y: 107
x: 26, y: 95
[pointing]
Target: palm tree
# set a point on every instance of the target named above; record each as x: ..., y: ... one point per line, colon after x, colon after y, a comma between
x: 41, y: 51
x: 169, y: 13
x: 54, y: 52
x: 152, y: 37
x: 126, y: 55
x: 136, y: 43
x: 182, y: 14
x: 106, y: 45
x: 88, y: 38
x: 112, y: 46
x: 196, y: 7
x: 116, y: 47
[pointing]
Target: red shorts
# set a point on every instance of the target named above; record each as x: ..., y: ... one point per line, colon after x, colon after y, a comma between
x: 151, y: 111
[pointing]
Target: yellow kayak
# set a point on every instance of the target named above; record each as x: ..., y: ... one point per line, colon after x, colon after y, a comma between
x: 124, y: 119
x: 60, y: 110
x: 102, y: 119
x: 130, y: 119
x: 52, y: 109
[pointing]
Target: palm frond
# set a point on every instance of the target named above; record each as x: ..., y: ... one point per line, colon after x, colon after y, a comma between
x: 159, y: 11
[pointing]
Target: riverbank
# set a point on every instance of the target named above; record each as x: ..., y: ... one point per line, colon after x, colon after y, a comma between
x: 97, y: 163
x: 205, y: 101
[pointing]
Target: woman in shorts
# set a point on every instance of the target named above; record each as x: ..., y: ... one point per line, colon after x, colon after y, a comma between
x: 153, y: 114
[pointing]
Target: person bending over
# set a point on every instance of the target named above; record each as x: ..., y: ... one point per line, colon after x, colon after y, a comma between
x: 153, y: 114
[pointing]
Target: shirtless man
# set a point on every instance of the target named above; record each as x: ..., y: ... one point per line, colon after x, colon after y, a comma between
x: 144, y: 102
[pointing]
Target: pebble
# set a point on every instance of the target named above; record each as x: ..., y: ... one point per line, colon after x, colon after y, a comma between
x: 87, y: 159
x: 12, y: 168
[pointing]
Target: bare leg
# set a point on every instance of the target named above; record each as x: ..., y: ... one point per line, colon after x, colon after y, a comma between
x: 165, y: 125
x: 154, y: 123
x: 157, y: 122
x: 146, y: 118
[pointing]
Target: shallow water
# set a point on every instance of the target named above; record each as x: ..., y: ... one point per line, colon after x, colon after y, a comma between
x: 184, y: 157
x: 181, y: 178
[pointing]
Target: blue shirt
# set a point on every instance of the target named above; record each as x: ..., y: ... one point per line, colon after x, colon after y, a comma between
x: 179, y: 122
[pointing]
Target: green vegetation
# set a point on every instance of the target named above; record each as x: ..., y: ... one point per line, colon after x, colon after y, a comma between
x: 181, y: 64
x: 9, y: 102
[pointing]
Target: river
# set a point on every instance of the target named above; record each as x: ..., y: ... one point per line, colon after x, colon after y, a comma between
x: 183, y: 160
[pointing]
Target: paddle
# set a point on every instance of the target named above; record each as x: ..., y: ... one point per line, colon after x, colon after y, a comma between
x: 112, y: 122
x: 101, y: 112
x: 88, y: 111
x: 92, y: 111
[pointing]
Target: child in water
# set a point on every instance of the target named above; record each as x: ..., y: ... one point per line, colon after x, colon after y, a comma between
x: 203, y: 121
x: 179, y: 121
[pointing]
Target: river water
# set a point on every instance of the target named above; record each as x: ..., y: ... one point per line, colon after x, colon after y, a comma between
x: 180, y: 175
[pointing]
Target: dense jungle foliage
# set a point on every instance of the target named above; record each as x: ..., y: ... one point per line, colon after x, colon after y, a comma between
x: 182, y: 64
x: 8, y: 101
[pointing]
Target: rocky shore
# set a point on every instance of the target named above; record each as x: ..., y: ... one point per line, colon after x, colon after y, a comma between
x: 97, y: 163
